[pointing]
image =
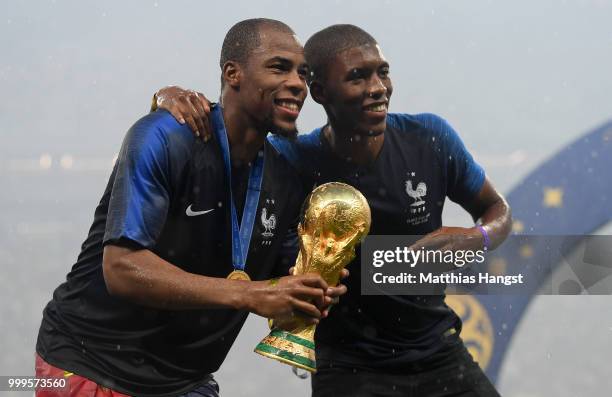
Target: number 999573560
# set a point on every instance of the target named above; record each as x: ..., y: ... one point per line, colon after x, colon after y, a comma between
x: 25, y: 383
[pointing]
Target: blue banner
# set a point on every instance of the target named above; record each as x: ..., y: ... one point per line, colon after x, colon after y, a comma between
x: 567, y: 195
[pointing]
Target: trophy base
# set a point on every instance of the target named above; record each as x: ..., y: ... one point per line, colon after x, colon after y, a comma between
x: 288, y: 348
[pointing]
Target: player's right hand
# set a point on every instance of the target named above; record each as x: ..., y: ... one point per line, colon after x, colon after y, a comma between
x: 187, y: 106
x: 302, y: 295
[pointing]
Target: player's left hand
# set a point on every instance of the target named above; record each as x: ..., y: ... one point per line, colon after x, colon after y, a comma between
x: 450, y: 239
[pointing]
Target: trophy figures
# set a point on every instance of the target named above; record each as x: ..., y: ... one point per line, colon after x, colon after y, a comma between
x: 335, y: 218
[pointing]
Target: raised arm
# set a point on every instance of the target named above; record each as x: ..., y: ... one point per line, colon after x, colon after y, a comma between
x: 490, y: 210
x: 467, y: 185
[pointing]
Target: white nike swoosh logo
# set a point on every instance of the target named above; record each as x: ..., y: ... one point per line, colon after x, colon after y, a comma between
x: 189, y: 212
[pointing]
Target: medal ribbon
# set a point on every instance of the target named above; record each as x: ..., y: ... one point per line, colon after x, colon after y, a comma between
x: 241, y: 236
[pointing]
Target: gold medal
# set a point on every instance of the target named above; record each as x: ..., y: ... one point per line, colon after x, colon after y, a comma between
x: 238, y: 275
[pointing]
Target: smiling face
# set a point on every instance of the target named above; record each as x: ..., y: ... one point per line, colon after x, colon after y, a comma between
x: 355, y: 91
x: 273, y: 82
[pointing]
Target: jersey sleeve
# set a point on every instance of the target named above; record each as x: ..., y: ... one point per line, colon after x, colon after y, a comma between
x: 140, y: 195
x: 465, y: 176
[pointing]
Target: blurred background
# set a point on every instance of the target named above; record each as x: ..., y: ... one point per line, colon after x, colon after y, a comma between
x: 518, y: 80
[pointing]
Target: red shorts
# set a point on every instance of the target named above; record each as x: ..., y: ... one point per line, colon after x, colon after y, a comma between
x: 77, y: 385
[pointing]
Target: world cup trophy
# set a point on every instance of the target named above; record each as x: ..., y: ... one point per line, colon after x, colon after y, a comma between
x: 335, y: 218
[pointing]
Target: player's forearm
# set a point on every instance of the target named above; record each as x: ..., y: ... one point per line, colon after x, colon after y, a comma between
x: 497, y: 222
x: 491, y: 209
x: 145, y: 278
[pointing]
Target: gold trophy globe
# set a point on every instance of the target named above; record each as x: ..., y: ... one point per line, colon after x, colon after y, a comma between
x: 335, y: 218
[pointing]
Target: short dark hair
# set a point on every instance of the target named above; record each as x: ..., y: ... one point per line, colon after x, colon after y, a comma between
x: 243, y: 38
x: 322, y: 47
